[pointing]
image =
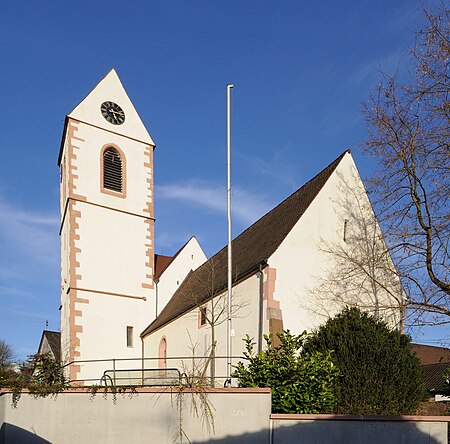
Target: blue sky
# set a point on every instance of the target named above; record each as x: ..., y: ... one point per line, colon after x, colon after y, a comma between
x: 301, y: 72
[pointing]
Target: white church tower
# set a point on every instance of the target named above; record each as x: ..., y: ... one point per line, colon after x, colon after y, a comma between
x: 107, y: 229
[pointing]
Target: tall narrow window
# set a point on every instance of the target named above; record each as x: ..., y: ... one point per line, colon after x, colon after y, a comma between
x: 129, y: 336
x: 202, y: 315
x: 162, y: 357
x: 112, y: 170
x: 344, y: 236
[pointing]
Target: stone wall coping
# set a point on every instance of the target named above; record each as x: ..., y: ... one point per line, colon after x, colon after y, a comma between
x: 315, y: 417
x: 100, y: 390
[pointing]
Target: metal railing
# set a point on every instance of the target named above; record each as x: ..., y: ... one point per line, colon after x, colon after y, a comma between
x: 149, y: 377
x: 153, y: 371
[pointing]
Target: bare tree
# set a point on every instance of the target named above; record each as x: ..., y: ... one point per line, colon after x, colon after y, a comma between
x: 6, y: 353
x: 357, y: 270
x: 409, y: 134
x: 212, y: 305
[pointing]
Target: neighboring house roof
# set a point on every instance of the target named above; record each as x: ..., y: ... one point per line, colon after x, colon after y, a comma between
x: 429, y: 354
x: 251, y: 248
x: 432, y: 376
x: 54, y: 342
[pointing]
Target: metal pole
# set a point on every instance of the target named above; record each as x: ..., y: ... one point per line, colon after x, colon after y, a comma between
x: 229, y: 232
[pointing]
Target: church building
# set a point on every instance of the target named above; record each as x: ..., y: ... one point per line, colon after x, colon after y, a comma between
x: 119, y: 299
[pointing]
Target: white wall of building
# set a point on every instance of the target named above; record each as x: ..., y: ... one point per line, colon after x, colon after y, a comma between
x: 185, y: 333
x: 112, y: 256
x: 303, y: 263
x: 93, y: 140
x: 190, y: 257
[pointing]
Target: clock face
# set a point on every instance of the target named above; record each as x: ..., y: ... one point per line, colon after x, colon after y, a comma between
x: 113, y: 113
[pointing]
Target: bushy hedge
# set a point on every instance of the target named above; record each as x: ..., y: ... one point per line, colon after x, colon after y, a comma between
x: 380, y: 375
x: 41, y: 376
x: 301, y: 382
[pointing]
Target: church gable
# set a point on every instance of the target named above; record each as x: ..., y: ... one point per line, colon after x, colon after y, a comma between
x: 98, y: 108
x: 171, y: 271
x: 335, y: 256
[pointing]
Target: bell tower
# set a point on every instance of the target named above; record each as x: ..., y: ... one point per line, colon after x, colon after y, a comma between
x: 107, y: 230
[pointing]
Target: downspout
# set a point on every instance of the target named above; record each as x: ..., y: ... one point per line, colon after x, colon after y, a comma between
x: 261, y: 307
x: 156, y: 281
x: 142, y: 359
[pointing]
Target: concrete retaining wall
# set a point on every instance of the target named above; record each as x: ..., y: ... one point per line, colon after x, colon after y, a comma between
x: 349, y: 429
x: 148, y: 416
x: 241, y: 416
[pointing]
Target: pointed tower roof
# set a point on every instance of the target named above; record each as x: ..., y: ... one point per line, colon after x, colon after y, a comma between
x: 110, y: 88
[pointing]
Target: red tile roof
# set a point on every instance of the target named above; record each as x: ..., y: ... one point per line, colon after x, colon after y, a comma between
x: 433, y: 377
x: 429, y: 354
x: 161, y: 263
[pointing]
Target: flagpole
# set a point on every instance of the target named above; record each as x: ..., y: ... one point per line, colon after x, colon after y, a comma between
x: 229, y: 86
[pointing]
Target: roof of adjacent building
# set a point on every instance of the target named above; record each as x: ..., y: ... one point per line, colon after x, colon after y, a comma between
x: 54, y: 342
x: 161, y: 263
x: 429, y: 354
x: 433, y: 377
x: 251, y: 249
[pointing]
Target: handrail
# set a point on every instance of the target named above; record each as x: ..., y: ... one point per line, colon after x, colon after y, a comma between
x: 161, y: 374
x: 147, y: 359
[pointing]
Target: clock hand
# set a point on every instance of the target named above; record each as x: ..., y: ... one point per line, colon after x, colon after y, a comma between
x: 120, y: 113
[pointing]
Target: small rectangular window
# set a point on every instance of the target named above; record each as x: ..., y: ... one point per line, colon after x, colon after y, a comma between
x: 202, y: 315
x: 129, y: 336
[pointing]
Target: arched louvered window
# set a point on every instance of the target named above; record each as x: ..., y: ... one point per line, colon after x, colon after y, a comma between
x: 112, y: 170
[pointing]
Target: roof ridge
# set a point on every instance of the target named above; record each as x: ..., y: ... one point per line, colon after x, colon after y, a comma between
x: 172, y: 258
x: 298, y: 190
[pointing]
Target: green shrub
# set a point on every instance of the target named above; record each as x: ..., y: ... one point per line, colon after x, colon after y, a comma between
x: 41, y: 376
x: 446, y: 377
x: 300, y: 382
x: 380, y: 375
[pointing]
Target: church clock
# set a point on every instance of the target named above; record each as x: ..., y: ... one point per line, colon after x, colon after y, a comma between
x: 113, y: 113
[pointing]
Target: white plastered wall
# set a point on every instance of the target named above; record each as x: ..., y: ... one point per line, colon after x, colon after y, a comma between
x: 88, y: 163
x: 64, y: 248
x: 45, y: 347
x: 303, y: 261
x: 190, y: 257
x: 104, y: 336
x: 185, y: 332
x: 110, y: 88
x: 112, y: 256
